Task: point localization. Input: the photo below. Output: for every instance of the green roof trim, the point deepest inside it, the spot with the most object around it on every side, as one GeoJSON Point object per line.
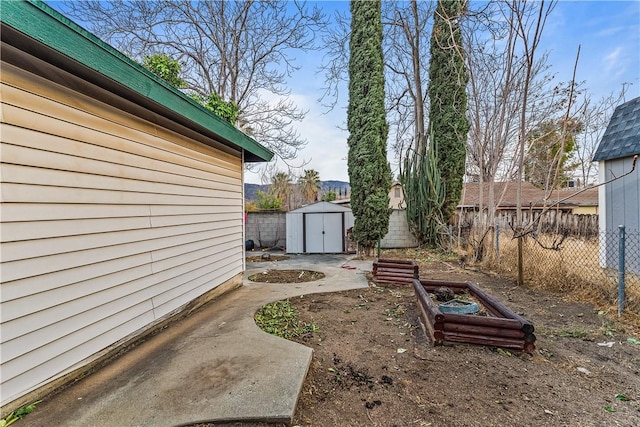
{"type": "Point", "coordinates": [42, 23]}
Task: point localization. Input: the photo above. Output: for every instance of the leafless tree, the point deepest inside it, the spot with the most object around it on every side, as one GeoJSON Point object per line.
{"type": "Point", "coordinates": [406, 53]}
{"type": "Point", "coordinates": [243, 51]}
{"type": "Point", "coordinates": [528, 22]}
{"type": "Point", "coordinates": [594, 116]}
{"type": "Point", "coordinates": [511, 91]}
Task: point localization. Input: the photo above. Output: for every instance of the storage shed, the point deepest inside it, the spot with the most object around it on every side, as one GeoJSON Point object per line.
{"type": "Point", "coordinates": [122, 201]}
{"type": "Point", "coordinates": [318, 228]}
{"type": "Point", "coordinates": [619, 199]}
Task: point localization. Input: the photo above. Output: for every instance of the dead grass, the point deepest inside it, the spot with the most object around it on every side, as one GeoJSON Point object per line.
{"type": "Point", "coordinates": [573, 271]}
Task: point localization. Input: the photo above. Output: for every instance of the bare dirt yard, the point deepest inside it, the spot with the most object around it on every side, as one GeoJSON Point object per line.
{"type": "Point", "coordinates": [373, 365]}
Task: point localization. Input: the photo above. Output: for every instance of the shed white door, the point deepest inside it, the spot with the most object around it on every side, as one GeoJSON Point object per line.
{"type": "Point", "coordinates": [323, 233]}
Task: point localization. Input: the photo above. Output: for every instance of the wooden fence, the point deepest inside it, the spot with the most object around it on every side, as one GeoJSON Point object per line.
{"type": "Point", "coordinates": [551, 222]}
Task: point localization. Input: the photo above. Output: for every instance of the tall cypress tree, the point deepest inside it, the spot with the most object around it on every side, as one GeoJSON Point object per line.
{"type": "Point", "coordinates": [448, 99]}
{"type": "Point", "coordinates": [369, 170]}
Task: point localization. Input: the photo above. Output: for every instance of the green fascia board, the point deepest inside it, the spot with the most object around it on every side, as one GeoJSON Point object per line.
{"type": "Point", "coordinates": [42, 23]}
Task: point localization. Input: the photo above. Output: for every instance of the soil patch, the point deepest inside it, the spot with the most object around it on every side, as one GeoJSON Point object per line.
{"type": "Point", "coordinates": [286, 276]}
{"type": "Point", "coordinates": [374, 366]}
{"type": "Point", "coordinates": [262, 258]}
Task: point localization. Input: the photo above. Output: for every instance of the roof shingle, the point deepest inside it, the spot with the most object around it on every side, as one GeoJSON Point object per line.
{"type": "Point", "coordinates": [622, 137]}
{"type": "Point", "coordinates": [531, 196]}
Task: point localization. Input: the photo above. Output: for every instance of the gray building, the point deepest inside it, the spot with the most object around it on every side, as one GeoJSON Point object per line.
{"type": "Point", "coordinates": [619, 199]}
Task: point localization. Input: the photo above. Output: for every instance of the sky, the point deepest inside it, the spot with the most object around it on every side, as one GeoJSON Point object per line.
{"type": "Point", "coordinates": [608, 33]}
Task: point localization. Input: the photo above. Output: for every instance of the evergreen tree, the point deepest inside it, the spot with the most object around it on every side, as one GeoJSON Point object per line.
{"type": "Point", "coordinates": [369, 171]}
{"type": "Point", "coordinates": [549, 150]}
{"type": "Point", "coordinates": [448, 99]}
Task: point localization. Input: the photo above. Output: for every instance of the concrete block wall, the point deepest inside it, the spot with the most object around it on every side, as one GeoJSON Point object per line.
{"type": "Point", "coordinates": [399, 235]}
{"type": "Point", "coordinates": [266, 229]}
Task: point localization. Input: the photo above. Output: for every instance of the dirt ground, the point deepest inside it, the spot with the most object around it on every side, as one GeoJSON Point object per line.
{"type": "Point", "coordinates": [267, 257]}
{"type": "Point", "coordinates": [374, 366]}
{"type": "Point", "coordinates": [286, 276]}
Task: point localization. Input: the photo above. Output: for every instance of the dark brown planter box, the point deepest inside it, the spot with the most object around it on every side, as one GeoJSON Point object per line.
{"type": "Point", "coordinates": [395, 271]}
{"type": "Point", "coordinates": [502, 328]}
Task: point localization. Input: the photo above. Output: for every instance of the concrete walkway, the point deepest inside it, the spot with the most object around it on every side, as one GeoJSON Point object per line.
{"type": "Point", "coordinates": [214, 365]}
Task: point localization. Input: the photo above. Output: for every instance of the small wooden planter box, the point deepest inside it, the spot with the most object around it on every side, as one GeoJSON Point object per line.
{"type": "Point", "coordinates": [395, 271]}
{"type": "Point", "coordinates": [503, 328]}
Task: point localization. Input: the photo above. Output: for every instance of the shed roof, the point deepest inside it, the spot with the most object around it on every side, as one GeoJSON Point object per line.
{"type": "Point", "coordinates": [321, 207]}
{"type": "Point", "coordinates": [622, 137]}
{"type": "Point", "coordinates": [36, 28]}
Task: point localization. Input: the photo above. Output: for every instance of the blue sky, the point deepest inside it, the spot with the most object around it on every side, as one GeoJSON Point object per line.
{"type": "Point", "coordinates": [608, 32]}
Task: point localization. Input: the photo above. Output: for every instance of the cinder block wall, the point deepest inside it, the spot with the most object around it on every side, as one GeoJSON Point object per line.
{"type": "Point", "coordinates": [399, 235]}
{"type": "Point", "coordinates": [266, 229]}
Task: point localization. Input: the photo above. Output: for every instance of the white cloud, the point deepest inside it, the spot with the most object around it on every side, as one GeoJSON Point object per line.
{"type": "Point", "coordinates": [326, 148]}
{"type": "Point", "coordinates": [614, 62]}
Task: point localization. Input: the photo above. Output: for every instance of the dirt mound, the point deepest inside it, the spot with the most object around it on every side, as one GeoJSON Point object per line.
{"type": "Point", "coordinates": [286, 276]}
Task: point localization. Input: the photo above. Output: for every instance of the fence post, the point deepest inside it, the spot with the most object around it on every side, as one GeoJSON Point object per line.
{"type": "Point", "coordinates": [621, 246]}
{"type": "Point", "coordinates": [497, 231]}
{"type": "Point", "coordinates": [451, 239]}
{"type": "Point", "coordinates": [520, 260]}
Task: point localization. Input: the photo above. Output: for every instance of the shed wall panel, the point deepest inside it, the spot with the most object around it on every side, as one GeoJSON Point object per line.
{"type": "Point", "coordinates": [109, 224]}
{"type": "Point", "coordinates": [294, 233]}
{"type": "Point", "coordinates": [302, 228]}
{"type": "Point", "coordinates": [621, 198]}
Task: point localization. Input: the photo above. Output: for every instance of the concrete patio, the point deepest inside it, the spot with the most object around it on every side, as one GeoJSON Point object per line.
{"type": "Point", "coordinates": [213, 365]}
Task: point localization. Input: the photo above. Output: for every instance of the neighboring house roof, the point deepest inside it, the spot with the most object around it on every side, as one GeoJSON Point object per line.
{"type": "Point", "coordinates": [622, 137]}
{"type": "Point", "coordinates": [531, 195]}
{"type": "Point", "coordinates": [59, 41]}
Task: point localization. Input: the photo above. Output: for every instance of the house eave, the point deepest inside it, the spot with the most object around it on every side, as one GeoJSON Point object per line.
{"type": "Point", "coordinates": [37, 29]}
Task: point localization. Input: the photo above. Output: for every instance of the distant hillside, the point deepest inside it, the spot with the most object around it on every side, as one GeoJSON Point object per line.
{"type": "Point", "coordinates": [334, 186]}
{"type": "Point", "coordinates": [251, 190]}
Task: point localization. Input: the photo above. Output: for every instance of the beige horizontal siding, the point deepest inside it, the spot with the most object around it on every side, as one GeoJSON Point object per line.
{"type": "Point", "coordinates": [52, 151]}
{"type": "Point", "coordinates": [75, 323]}
{"type": "Point", "coordinates": [64, 179]}
{"type": "Point", "coordinates": [61, 163]}
{"type": "Point", "coordinates": [90, 114]}
{"type": "Point", "coordinates": [77, 297]}
{"type": "Point", "coordinates": [29, 265]}
{"type": "Point", "coordinates": [66, 359]}
{"type": "Point", "coordinates": [28, 230]}
{"type": "Point", "coordinates": [109, 223]}
{"type": "Point", "coordinates": [46, 212]}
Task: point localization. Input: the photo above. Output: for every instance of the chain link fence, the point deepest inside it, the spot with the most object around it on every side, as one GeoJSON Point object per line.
{"type": "Point", "coordinates": [588, 267]}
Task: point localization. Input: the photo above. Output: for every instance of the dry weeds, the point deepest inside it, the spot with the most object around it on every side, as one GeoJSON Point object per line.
{"type": "Point", "coordinates": [573, 271]}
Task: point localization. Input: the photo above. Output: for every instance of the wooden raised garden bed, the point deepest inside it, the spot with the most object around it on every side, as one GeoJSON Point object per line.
{"type": "Point", "coordinates": [395, 271]}
{"type": "Point", "coordinates": [498, 327]}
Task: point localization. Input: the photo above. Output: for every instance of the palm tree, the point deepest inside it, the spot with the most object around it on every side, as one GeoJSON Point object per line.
{"type": "Point", "coordinates": [310, 185]}
{"type": "Point", "coordinates": [281, 187]}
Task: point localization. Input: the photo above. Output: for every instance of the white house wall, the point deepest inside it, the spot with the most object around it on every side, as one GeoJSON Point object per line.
{"type": "Point", "coordinates": [109, 223]}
